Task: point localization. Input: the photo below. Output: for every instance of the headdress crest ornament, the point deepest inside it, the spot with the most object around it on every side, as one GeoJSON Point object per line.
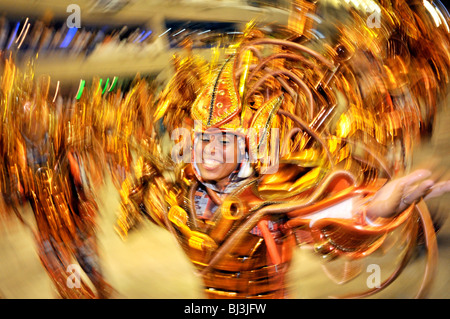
{"type": "Point", "coordinates": [219, 105]}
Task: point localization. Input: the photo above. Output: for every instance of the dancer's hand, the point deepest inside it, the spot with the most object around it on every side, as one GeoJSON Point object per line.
{"type": "Point", "coordinates": [399, 194]}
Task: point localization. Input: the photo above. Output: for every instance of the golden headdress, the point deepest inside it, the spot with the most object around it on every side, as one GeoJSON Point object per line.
{"type": "Point", "coordinates": [219, 106]}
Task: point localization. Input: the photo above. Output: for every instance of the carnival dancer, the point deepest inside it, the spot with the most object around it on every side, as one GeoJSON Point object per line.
{"type": "Point", "coordinates": [45, 161]}
{"type": "Point", "coordinates": [281, 145]}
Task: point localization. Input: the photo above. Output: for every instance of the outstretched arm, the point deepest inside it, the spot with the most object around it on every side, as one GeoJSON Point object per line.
{"type": "Point", "coordinates": [399, 194]}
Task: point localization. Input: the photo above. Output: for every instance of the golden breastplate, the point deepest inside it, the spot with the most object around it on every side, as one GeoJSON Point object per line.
{"type": "Point", "coordinates": [244, 269]}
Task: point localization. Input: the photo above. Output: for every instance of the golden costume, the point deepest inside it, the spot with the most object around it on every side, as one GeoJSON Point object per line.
{"type": "Point", "coordinates": [45, 154]}
{"type": "Point", "coordinates": [346, 115]}
{"type": "Point", "coordinates": [322, 122]}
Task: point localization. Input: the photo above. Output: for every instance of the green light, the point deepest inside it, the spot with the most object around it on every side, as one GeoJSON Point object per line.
{"type": "Point", "coordinates": [80, 89]}
{"type": "Point", "coordinates": [99, 85]}
{"type": "Point", "coordinates": [106, 85]}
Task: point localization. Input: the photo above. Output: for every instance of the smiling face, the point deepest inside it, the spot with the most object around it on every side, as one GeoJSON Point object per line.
{"type": "Point", "coordinates": [216, 156]}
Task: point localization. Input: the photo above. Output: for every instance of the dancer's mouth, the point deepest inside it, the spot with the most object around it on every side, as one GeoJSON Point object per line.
{"type": "Point", "coordinates": [211, 164]}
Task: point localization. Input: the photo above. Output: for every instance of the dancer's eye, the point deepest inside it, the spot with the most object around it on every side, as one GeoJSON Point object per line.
{"type": "Point", "coordinates": [225, 139]}
{"type": "Point", "coordinates": [205, 138]}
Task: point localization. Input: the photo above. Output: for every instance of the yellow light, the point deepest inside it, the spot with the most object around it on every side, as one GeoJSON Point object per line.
{"type": "Point", "coordinates": [343, 126]}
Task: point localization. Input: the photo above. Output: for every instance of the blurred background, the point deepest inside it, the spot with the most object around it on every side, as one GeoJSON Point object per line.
{"type": "Point", "coordinates": [118, 38]}
{"type": "Point", "coordinates": [115, 40]}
